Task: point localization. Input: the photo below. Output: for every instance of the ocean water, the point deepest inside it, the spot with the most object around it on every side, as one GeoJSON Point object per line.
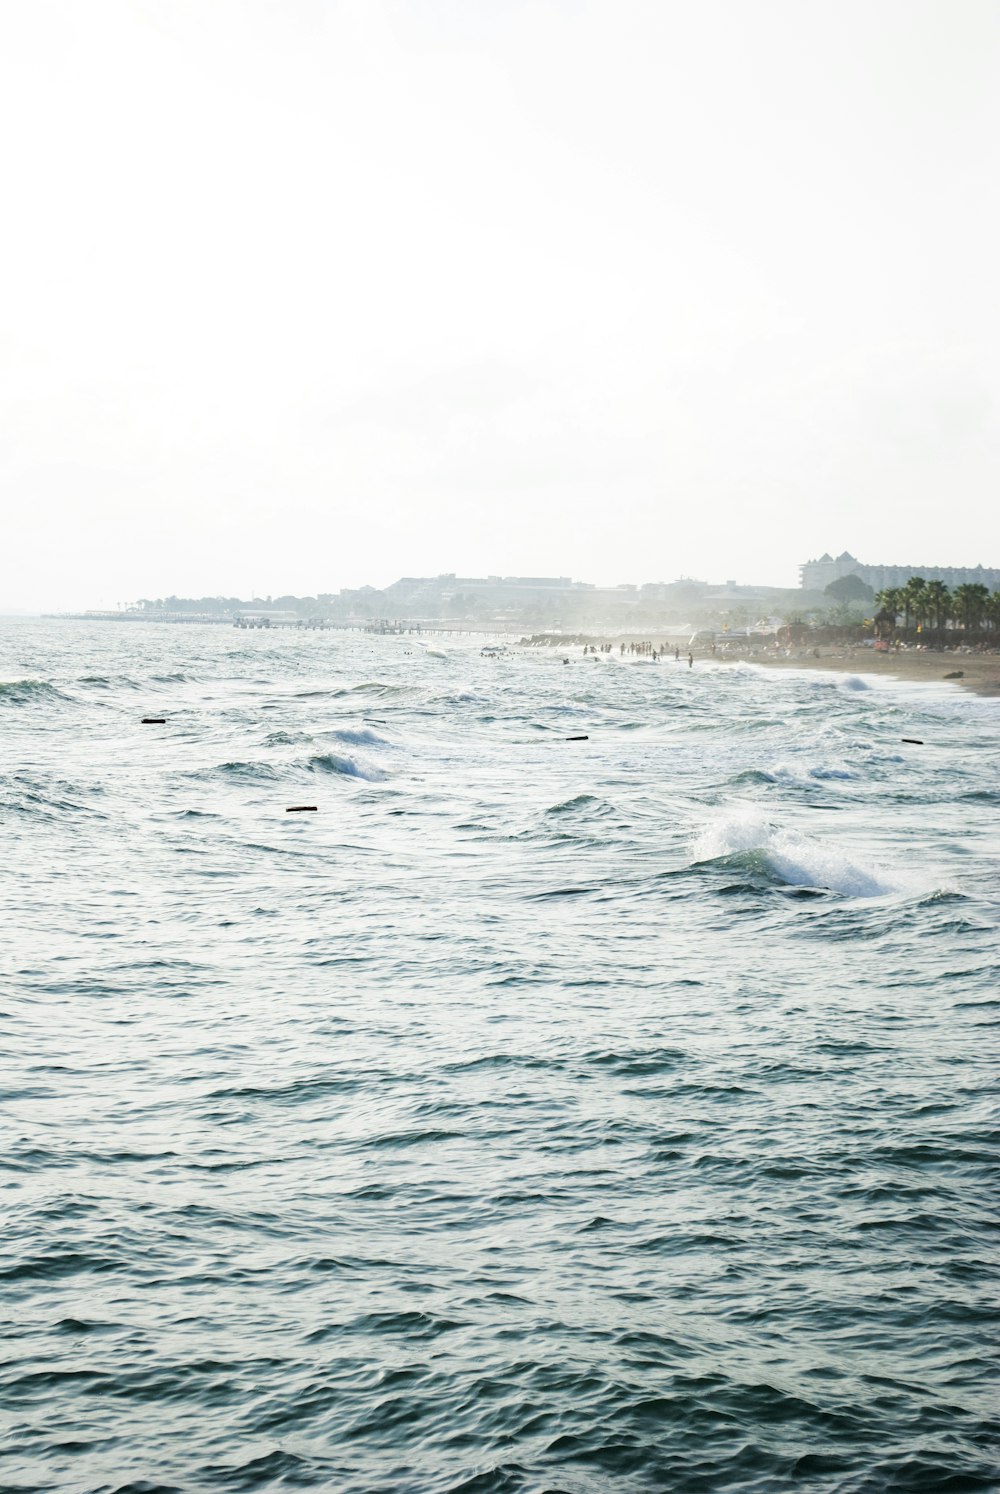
{"type": "Point", "coordinates": [536, 1115]}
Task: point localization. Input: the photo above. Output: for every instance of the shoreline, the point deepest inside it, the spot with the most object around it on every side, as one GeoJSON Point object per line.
{"type": "Point", "coordinates": [977, 673]}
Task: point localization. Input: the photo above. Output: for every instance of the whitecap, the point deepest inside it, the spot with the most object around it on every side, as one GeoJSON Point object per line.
{"type": "Point", "coordinates": [791, 857]}
{"type": "Point", "coordinates": [358, 737]}
{"type": "Point", "coordinates": [347, 767]}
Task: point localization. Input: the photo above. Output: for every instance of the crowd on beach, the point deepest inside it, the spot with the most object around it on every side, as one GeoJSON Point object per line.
{"type": "Point", "coordinates": [736, 646]}
{"type": "Point", "coordinates": [930, 660]}
{"type": "Point", "coordinates": [645, 648]}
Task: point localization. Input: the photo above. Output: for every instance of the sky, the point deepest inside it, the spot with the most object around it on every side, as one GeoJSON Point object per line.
{"type": "Point", "coordinates": [298, 295]}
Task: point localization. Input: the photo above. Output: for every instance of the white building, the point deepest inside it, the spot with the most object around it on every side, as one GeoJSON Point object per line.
{"type": "Point", "coordinates": [816, 575]}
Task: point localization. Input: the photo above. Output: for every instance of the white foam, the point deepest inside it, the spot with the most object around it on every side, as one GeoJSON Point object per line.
{"type": "Point", "coordinates": [788, 771]}
{"type": "Point", "coordinates": [793, 858]}
{"type": "Point", "coordinates": [358, 737]}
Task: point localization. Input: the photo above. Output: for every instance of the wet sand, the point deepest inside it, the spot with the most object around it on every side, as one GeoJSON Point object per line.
{"type": "Point", "coordinates": [980, 673]}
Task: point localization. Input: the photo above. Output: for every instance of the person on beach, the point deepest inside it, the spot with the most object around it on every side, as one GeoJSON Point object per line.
{"type": "Point", "coordinates": [690, 661]}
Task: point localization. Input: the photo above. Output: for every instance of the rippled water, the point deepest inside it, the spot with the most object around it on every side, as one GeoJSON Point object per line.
{"type": "Point", "coordinates": [536, 1115]}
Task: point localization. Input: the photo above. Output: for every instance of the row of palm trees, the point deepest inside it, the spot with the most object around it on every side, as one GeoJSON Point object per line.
{"type": "Point", "coordinates": [929, 604]}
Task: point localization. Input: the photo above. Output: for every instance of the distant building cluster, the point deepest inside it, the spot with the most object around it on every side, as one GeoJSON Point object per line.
{"type": "Point", "coordinates": [414, 594]}
{"type": "Point", "coordinates": [510, 591]}
{"type": "Point", "coordinates": [557, 596]}
{"type": "Point", "coordinates": [497, 601]}
{"type": "Point", "coordinates": [560, 603]}
{"type": "Point", "coordinates": [816, 575]}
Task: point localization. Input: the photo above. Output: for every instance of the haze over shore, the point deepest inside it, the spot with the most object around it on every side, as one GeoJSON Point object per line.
{"type": "Point", "coordinates": [532, 287]}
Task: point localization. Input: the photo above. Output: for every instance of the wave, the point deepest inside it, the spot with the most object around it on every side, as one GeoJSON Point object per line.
{"type": "Point", "coordinates": [286, 738]}
{"type": "Point", "coordinates": [786, 772]}
{"type": "Point", "coordinates": [585, 803]}
{"type": "Point", "coordinates": [239, 772]}
{"type": "Point", "coordinates": [358, 736]}
{"type": "Point", "coordinates": [367, 687]}
{"type": "Point", "coordinates": [264, 772]}
{"type": "Point", "coordinates": [28, 692]}
{"type": "Point", "coordinates": [346, 767]}
{"type": "Point", "coordinates": [753, 775]}
{"type": "Point", "coordinates": [30, 794]}
{"type": "Point", "coordinates": [793, 773]}
{"type": "Point", "coordinates": [745, 836]}
{"type": "Point", "coordinates": [108, 682]}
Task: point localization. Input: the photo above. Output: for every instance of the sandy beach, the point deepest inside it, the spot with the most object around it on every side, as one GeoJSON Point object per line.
{"type": "Point", "coordinates": [980, 673]}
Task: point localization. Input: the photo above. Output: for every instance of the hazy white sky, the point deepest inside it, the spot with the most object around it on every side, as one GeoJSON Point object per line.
{"type": "Point", "coordinates": [299, 294]}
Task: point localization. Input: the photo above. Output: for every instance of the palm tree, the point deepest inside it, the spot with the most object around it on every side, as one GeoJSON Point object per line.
{"type": "Point", "coordinates": [959, 598]}
{"type": "Point", "coordinates": [913, 600]}
{"type": "Point", "coordinates": [993, 610]}
{"type": "Point", "coordinates": [938, 599]}
{"type": "Point", "coordinates": [888, 605]}
{"type": "Point", "coordinates": [980, 604]}
{"type": "Point", "coordinates": [969, 603]}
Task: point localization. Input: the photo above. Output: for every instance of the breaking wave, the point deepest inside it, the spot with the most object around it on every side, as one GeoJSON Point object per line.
{"type": "Point", "coordinates": [361, 736]}
{"type": "Point", "coordinates": [265, 772]}
{"type": "Point", "coordinates": [344, 767]}
{"type": "Point", "coordinates": [791, 857]}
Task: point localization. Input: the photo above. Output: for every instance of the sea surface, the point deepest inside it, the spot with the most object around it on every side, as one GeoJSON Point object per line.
{"type": "Point", "coordinates": [537, 1115]}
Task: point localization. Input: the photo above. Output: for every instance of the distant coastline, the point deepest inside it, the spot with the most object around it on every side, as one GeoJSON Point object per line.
{"type": "Point", "coordinates": [973, 670]}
